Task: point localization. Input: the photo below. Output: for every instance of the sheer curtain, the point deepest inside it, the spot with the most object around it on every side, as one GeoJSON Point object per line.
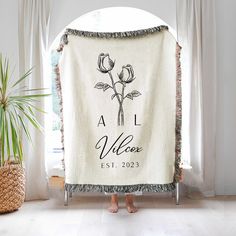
{"type": "Point", "coordinates": [196, 34]}
{"type": "Point", "coordinates": [33, 36]}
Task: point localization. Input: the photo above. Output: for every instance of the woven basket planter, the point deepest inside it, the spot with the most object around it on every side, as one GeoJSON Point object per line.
{"type": "Point", "coordinates": [12, 187]}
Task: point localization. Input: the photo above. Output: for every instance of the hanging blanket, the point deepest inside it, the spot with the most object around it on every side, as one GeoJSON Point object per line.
{"type": "Point", "coordinates": [121, 110]}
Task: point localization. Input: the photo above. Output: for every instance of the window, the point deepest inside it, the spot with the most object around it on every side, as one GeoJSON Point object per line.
{"type": "Point", "coordinates": [98, 20]}
{"type": "Point", "coordinates": [56, 121]}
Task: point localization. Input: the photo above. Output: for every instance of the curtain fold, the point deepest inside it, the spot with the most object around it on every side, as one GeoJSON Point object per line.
{"type": "Point", "coordinates": [33, 37]}
{"type": "Point", "coordinates": [196, 34]}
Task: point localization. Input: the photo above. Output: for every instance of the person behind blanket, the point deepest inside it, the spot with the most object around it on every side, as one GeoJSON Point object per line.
{"type": "Point", "coordinates": [129, 200]}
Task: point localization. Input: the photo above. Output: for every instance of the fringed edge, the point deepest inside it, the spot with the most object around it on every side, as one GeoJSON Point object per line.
{"type": "Point", "coordinates": [120, 188]}
{"type": "Point", "coordinates": [107, 35]}
{"type": "Point", "coordinates": [59, 92]}
{"type": "Point", "coordinates": [178, 125]}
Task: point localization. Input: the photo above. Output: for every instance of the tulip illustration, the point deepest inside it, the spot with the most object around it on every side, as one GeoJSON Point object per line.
{"type": "Point", "coordinates": [105, 64]}
{"type": "Point", "coordinates": [126, 76]}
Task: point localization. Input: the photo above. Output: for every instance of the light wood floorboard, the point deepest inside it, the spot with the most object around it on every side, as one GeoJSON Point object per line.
{"type": "Point", "coordinates": [88, 215]}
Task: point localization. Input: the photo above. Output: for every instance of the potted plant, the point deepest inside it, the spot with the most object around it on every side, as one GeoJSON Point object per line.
{"type": "Point", "coordinates": [17, 109]}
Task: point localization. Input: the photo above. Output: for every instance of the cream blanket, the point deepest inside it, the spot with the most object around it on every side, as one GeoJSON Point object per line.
{"type": "Point", "coordinates": [121, 110]}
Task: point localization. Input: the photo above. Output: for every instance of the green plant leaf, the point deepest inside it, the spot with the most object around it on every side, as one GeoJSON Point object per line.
{"type": "Point", "coordinates": [7, 136]}
{"type": "Point", "coordinates": [23, 77]}
{"type": "Point", "coordinates": [13, 137]}
{"type": "Point", "coordinates": [25, 128]}
{"type": "Point", "coordinates": [16, 111]}
{"type": "Point", "coordinates": [29, 104]}
{"type": "Point", "coordinates": [4, 74]}
{"type": "Point", "coordinates": [31, 118]}
{"type": "Point", "coordinates": [32, 96]}
{"type": "Point", "coordinates": [3, 140]}
{"type": "Point", "coordinates": [1, 117]}
{"type": "Point", "coordinates": [35, 89]}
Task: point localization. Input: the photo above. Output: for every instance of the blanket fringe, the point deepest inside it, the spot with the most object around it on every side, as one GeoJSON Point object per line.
{"type": "Point", "coordinates": [59, 92]}
{"type": "Point", "coordinates": [107, 35]}
{"type": "Point", "coordinates": [120, 188]}
{"type": "Point", "coordinates": [178, 125]}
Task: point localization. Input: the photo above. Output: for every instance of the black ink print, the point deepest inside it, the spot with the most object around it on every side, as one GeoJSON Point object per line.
{"type": "Point", "coordinates": [126, 76]}
{"type": "Point", "coordinates": [119, 146]}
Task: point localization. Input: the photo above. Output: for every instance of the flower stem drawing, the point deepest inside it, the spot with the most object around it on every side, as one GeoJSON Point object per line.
{"type": "Point", "coordinates": [125, 77]}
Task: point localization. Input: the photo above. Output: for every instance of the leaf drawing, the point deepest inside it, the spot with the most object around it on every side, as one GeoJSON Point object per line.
{"type": "Point", "coordinates": [99, 85]}
{"type": "Point", "coordinates": [130, 96]}
{"type": "Point", "coordinates": [125, 77]}
{"type": "Point", "coordinates": [113, 95]}
{"type": "Point", "coordinates": [135, 93]}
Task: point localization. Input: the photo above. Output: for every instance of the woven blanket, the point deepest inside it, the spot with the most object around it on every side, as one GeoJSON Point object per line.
{"type": "Point", "coordinates": [121, 110]}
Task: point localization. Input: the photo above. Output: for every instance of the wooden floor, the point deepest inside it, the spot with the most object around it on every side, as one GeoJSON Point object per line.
{"type": "Point", "coordinates": [87, 215]}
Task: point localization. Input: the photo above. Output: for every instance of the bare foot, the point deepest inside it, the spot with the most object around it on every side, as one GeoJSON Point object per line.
{"type": "Point", "coordinates": [130, 204]}
{"type": "Point", "coordinates": [114, 204]}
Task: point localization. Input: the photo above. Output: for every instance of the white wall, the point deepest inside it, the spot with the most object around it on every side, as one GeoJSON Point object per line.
{"type": "Point", "coordinates": [226, 75]}
{"type": "Point", "coordinates": [64, 11]}
{"type": "Point", "coordinates": [9, 32]}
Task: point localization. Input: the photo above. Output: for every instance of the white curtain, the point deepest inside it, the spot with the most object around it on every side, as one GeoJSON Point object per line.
{"type": "Point", "coordinates": [196, 34]}
{"type": "Point", "coordinates": [33, 37]}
